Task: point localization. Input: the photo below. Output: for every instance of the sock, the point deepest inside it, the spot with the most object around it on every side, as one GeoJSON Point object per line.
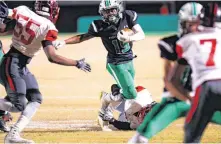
{"type": "Point", "coordinates": [26, 115]}
{"type": "Point", "coordinates": [21, 123]}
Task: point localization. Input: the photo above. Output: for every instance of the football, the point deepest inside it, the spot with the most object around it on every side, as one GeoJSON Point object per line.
{"type": "Point", "coordinates": [128, 31]}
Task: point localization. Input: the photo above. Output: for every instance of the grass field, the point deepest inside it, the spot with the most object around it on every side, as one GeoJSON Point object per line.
{"type": "Point", "coordinates": [71, 97]}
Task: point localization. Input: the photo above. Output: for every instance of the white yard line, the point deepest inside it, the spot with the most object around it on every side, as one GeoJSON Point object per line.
{"type": "Point", "coordinates": [70, 97]}
{"type": "Point", "coordinates": [67, 109]}
{"type": "Point", "coordinates": [82, 125]}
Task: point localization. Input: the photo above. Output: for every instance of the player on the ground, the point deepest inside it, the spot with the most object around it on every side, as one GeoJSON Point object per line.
{"type": "Point", "coordinates": [119, 46]}
{"type": "Point", "coordinates": [173, 105]}
{"type": "Point", "coordinates": [33, 31]}
{"type": "Point", "coordinates": [201, 50]}
{"type": "Point", "coordinates": [123, 107]}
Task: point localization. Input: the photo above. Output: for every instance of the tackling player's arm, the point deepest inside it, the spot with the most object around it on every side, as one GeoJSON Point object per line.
{"type": "Point", "coordinates": [55, 58]}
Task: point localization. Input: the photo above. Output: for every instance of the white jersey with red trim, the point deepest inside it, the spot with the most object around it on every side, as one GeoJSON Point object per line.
{"type": "Point", "coordinates": [30, 30]}
{"type": "Point", "coordinates": [202, 50]}
{"type": "Point", "coordinates": [129, 107]}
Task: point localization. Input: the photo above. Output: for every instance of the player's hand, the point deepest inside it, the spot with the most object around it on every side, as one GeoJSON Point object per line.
{"type": "Point", "coordinates": [82, 65]}
{"type": "Point", "coordinates": [123, 36]}
{"type": "Point", "coordinates": [58, 44]}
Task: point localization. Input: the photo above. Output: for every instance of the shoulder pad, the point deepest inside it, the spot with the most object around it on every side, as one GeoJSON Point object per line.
{"type": "Point", "coordinates": [98, 25]}
{"type": "Point", "coordinates": [170, 39]}
{"type": "Point", "coordinates": [131, 14]}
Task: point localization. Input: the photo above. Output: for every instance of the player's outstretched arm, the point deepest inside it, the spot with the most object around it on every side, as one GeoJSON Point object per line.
{"type": "Point", "coordinates": [54, 58]}
{"type": "Point", "coordinates": [72, 40]}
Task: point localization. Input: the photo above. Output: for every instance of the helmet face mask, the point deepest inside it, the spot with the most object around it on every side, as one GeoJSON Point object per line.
{"type": "Point", "coordinates": [48, 9]}
{"type": "Point", "coordinates": [111, 15]}
{"type": "Point", "coordinates": [111, 10]}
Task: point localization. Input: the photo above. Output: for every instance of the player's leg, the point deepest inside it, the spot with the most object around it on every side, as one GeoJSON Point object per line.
{"type": "Point", "coordinates": [34, 98]}
{"type": "Point", "coordinates": [109, 101]}
{"type": "Point", "coordinates": [16, 95]}
{"type": "Point", "coordinates": [124, 77]}
{"type": "Point", "coordinates": [200, 114]}
{"type": "Point", "coordinates": [216, 118]}
{"type": "Point", "coordinates": [4, 116]}
{"type": "Point", "coordinates": [162, 115]}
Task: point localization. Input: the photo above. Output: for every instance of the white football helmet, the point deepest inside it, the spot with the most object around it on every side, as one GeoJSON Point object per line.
{"type": "Point", "coordinates": [111, 10]}
{"type": "Point", "coordinates": [189, 13]}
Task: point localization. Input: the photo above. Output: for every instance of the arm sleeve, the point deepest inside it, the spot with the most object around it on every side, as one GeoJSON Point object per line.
{"type": "Point", "coordinates": [51, 35]}
{"type": "Point", "coordinates": [121, 125]}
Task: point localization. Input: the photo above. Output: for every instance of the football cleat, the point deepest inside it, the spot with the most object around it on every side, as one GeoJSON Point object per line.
{"type": "Point", "coordinates": [3, 119]}
{"type": "Point", "coordinates": [14, 137]}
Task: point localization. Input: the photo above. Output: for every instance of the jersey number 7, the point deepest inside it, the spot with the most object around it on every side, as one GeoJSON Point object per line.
{"type": "Point", "coordinates": [210, 61]}
{"type": "Point", "coordinates": [30, 34]}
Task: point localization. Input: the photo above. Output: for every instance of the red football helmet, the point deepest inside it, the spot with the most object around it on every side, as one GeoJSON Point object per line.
{"type": "Point", "coordinates": [47, 8]}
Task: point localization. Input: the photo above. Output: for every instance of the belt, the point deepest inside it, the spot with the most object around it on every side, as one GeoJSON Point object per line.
{"type": "Point", "coordinates": [17, 54]}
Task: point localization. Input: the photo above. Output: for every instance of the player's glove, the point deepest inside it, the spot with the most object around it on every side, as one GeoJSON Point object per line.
{"type": "Point", "coordinates": [82, 65]}
{"type": "Point", "coordinates": [3, 9]}
{"type": "Point", "coordinates": [123, 36]}
{"type": "Point", "coordinates": [58, 44]}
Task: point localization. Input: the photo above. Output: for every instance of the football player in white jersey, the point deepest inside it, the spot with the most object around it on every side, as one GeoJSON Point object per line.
{"type": "Point", "coordinates": [132, 112]}
{"type": "Point", "coordinates": [33, 30]}
{"type": "Point", "coordinates": [201, 50]}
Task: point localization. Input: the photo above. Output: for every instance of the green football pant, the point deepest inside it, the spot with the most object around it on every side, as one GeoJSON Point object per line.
{"type": "Point", "coordinates": [124, 76]}
{"type": "Point", "coordinates": [164, 114]}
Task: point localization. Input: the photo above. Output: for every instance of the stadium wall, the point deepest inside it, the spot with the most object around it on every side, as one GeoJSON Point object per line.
{"type": "Point", "coordinates": [151, 23]}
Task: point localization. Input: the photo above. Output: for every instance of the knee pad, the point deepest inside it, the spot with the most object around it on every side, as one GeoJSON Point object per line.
{"type": "Point", "coordinates": [34, 95]}
{"type": "Point", "coordinates": [20, 103]}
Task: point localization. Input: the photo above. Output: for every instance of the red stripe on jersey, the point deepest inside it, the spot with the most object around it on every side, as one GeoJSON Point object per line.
{"type": "Point", "coordinates": [139, 88]}
{"type": "Point", "coordinates": [14, 13]}
{"type": "Point", "coordinates": [215, 9]}
{"type": "Point", "coordinates": [10, 81]}
{"type": "Point", "coordinates": [179, 51]}
{"type": "Point", "coordinates": [194, 105]}
{"type": "Point", "coordinates": [51, 35]}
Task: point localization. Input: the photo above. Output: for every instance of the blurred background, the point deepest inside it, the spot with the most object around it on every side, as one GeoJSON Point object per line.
{"type": "Point", "coordinates": [154, 16]}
